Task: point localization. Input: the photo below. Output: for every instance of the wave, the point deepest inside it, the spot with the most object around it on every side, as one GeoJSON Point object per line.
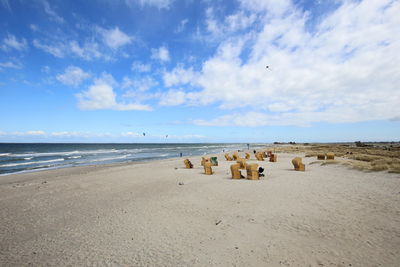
{"type": "Point", "coordinates": [69, 153]}
{"type": "Point", "coordinates": [30, 163]}
{"type": "Point", "coordinates": [102, 159]}
{"type": "Point", "coordinates": [4, 154]}
{"type": "Point", "coordinates": [74, 157]}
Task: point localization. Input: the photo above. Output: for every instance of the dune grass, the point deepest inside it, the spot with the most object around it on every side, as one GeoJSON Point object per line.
{"type": "Point", "coordinates": [382, 157]}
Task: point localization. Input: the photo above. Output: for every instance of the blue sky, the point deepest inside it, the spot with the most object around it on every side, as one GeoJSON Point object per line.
{"type": "Point", "coordinates": [109, 71]}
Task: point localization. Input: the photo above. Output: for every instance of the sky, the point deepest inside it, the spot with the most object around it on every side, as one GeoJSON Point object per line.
{"type": "Point", "coordinates": [199, 70]}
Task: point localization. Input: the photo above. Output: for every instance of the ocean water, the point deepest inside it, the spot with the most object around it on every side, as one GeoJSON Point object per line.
{"type": "Point", "coordinates": [19, 157]}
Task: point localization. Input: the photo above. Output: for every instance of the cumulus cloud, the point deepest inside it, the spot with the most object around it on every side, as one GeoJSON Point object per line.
{"type": "Point", "coordinates": [161, 54]}
{"type": "Point", "coordinates": [346, 70]}
{"type": "Point", "coordinates": [73, 76]}
{"type": "Point", "coordinates": [11, 42]}
{"type": "Point", "coordinates": [115, 38]}
{"type": "Point", "coordinates": [179, 75]}
{"type": "Point", "coordinates": [101, 95]}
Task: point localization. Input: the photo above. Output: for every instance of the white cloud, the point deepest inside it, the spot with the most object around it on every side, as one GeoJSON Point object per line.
{"type": "Point", "coordinates": [140, 67]}
{"type": "Point", "coordinates": [73, 76]}
{"type": "Point", "coordinates": [67, 134]}
{"type": "Point", "coordinates": [114, 38]}
{"type": "Point", "coordinates": [101, 95]}
{"type": "Point", "coordinates": [173, 98]}
{"type": "Point", "coordinates": [52, 14]}
{"type": "Point", "coordinates": [35, 133]}
{"type": "Point", "coordinates": [11, 42]}
{"type": "Point", "coordinates": [140, 84]}
{"type": "Point", "coordinates": [57, 50]}
{"type": "Point", "coordinates": [152, 3]}
{"type": "Point", "coordinates": [161, 54]}
{"type": "Point", "coordinates": [178, 76]}
{"type": "Point", "coordinates": [131, 134]}
{"type": "Point", "coordinates": [181, 26]}
{"type": "Point", "coordinates": [33, 27]}
{"type": "Point", "coordinates": [10, 65]}
{"type": "Point", "coordinates": [88, 51]}
{"type": "Point", "coordinates": [346, 71]}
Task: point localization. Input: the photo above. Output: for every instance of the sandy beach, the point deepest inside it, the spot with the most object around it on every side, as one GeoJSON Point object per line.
{"type": "Point", "coordinates": [161, 214]}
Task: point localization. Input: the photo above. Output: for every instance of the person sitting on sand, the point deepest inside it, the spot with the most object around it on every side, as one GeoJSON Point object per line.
{"type": "Point", "coordinates": [260, 172]}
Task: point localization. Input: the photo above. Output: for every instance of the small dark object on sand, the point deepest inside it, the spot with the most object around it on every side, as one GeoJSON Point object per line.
{"type": "Point", "coordinates": [180, 183]}
{"type": "Point", "coordinates": [218, 222]}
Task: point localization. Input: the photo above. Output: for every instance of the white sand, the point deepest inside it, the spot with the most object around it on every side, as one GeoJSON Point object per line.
{"type": "Point", "coordinates": [139, 215]}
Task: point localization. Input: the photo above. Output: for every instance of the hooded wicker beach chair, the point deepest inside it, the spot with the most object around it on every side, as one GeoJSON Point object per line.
{"type": "Point", "coordinates": [247, 156]}
{"type": "Point", "coordinates": [330, 155]}
{"type": "Point", "coordinates": [298, 165]}
{"type": "Point", "coordinates": [188, 164]}
{"type": "Point", "coordinates": [235, 155]}
{"type": "Point", "coordinates": [252, 171]}
{"type": "Point", "coordinates": [321, 156]}
{"type": "Point", "coordinates": [259, 156]}
{"type": "Point", "coordinates": [203, 160]}
{"type": "Point", "coordinates": [207, 168]}
{"type": "Point", "coordinates": [235, 171]}
{"type": "Point", "coordinates": [228, 157]}
{"type": "Point", "coordinates": [273, 158]}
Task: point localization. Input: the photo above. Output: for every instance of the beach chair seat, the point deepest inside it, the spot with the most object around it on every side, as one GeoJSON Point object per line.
{"type": "Point", "coordinates": [269, 153]}
{"type": "Point", "coordinates": [214, 161]}
{"type": "Point", "coordinates": [330, 155]}
{"type": "Point", "coordinates": [252, 171]}
{"type": "Point", "coordinates": [188, 164]}
{"type": "Point", "coordinates": [298, 165]}
{"type": "Point", "coordinates": [207, 168]}
{"type": "Point", "coordinates": [236, 174]}
{"type": "Point", "coordinates": [321, 156]}
{"type": "Point", "coordinates": [273, 158]}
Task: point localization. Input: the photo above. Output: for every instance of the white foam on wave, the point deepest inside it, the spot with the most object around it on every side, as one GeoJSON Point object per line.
{"type": "Point", "coordinates": [64, 153]}
{"type": "Point", "coordinates": [30, 163]}
{"type": "Point", "coordinates": [104, 159]}
{"type": "Point", "coordinates": [28, 158]}
{"type": "Point", "coordinates": [4, 154]}
{"type": "Point", "coordinates": [74, 157]}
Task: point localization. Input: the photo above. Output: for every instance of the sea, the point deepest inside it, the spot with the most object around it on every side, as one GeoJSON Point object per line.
{"type": "Point", "coordinates": [28, 157]}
